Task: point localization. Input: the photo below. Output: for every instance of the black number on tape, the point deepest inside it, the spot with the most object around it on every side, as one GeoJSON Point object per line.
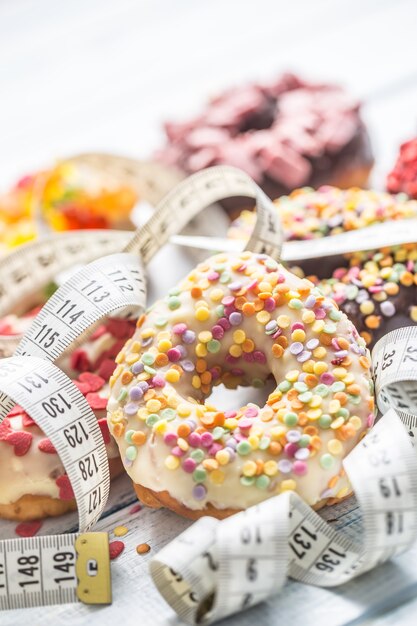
{"type": "Point", "coordinates": [389, 487]}
{"type": "Point", "coordinates": [388, 359]}
{"type": "Point", "coordinates": [67, 310]}
{"type": "Point", "coordinates": [30, 567]}
{"type": "Point", "coordinates": [410, 351]}
{"type": "Point", "coordinates": [56, 405]}
{"type": "Point", "coordinates": [64, 563]}
{"type": "Point", "coordinates": [32, 381]}
{"type": "Point", "coordinates": [94, 499]}
{"type": "Point", "coordinates": [76, 434]}
{"type": "Point", "coordinates": [88, 466]}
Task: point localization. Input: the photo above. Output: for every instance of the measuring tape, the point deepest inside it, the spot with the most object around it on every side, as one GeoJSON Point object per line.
{"type": "Point", "coordinates": [113, 284]}
{"type": "Point", "coordinates": [216, 568]}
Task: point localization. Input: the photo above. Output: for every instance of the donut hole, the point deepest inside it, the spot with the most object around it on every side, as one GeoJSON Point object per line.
{"type": "Point", "coordinates": [232, 399]}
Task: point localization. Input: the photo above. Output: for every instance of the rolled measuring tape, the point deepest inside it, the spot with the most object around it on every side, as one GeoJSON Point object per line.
{"type": "Point", "coordinates": [114, 284]}
{"type": "Point", "coordinates": [216, 568]}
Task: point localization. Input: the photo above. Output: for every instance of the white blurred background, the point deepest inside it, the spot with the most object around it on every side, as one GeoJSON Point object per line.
{"type": "Point", "coordinates": [104, 74]}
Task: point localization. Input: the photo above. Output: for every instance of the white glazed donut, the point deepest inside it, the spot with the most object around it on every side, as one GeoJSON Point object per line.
{"type": "Point", "coordinates": [237, 320]}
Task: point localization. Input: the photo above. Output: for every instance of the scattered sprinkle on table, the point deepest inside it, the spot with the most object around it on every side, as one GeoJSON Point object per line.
{"type": "Point", "coordinates": [143, 548]}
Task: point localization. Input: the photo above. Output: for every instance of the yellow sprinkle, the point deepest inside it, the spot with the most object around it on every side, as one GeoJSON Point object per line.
{"type": "Point", "coordinates": [308, 366]}
{"type": "Point", "coordinates": [132, 358]}
{"type": "Point", "coordinates": [136, 346]}
{"type": "Point", "coordinates": [231, 423]}
{"type": "Point", "coordinates": [318, 326]}
{"type": "Point", "coordinates": [356, 422]}
{"type": "Point", "coordinates": [320, 352]}
{"type": "Point", "coordinates": [339, 372]}
{"type": "Point", "coordinates": [263, 317]}
{"type": "Point", "coordinates": [216, 295]}
{"type": "Point", "coordinates": [183, 410]}
{"type": "Point", "coordinates": [201, 350]}
{"type": "Point", "coordinates": [172, 401]}
{"type": "Point", "coordinates": [349, 379]}
{"type": "Point", "coordinates": [147, 332]}
{"type": "Point", "coordinates": [316, 401]}
{"type": "Point", "coordinates": [172, 376]}
{"type": "Point", "coordinates": [334, 446]}
{"type": "Point", "coordinates": [182, 444]}
{"type": "Point", "coordinates": [292, 376]}
{"type": "Point", "coordinates": [120, 531]}
{"type": "Point", "coordinates": [288, 485]}
{"type": "Point", "coordinates": [249, 468]}
{"type": "Point", "coordinates": [270, 468]}
{"type": "Point", "coordinates": [320, 367]}
{"type": "Point", "coordinates": [196, 382]}
{"type": "Point", "coordinates": [217, 476]}
{"type": "Point", "coordinates": [222, 457]}
{"type": "Point", "coordinates": [298, 335]}
{"type": "Point", "coordinates": [160, 427]}
{"type": "Point", "coordinates": [164, 345]}
{"type": "Point", "coordinates": [239, 336]}
{"type": "Point", "coordinates": [337, 422]}
{"type": "Point", "coordinates": [153, 406]}
{"type": "Point", "coordinates": [367, 307]}
{"type": "Point", "coordinates": [205, 336]}
{"type": "Point", "coordinates": [254, 441]}
{"type": "Point", "coordinates": [235, 350]}
{"type": "Point", "coordinates": [277, 432]}
{"type": "Point", "coordinates": [314, 414]}
{"type": "Point", "coordinates": [202, 314]}
{"type": "Point", "coordinates": [142, 414]}
{"type": "Point", "coordinates": [343, 492]}
{"type": "Point", "coordinates": [248, 345]}
{"type": "Point", "coordinates": [334, 406]}
{"type": "Point", "coordinates": [172, 462]}
{"type": "Point", "coordinates": [283, 321]}
{"type": "Point", "coordinates": [120, 357]}
{"type": "Point", "coordinates": [308, 317]}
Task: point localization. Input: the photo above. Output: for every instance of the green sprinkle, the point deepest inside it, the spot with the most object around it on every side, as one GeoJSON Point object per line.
{"type": "Point", "coordinates": [174, 291]}
{"type": "Point", "coordinates": [329, 328]}
{"type": "Point", "coordinates": [150, 370]}
{"type": "Point", "coordinates": [218, 432]}
{"type": "Point", "coordinates": [295, 303]}
{"type": "Point", "coordinates": [301, 387]}
{"type": "Point", "coordinates": [271, 264]}
{"type": "Point", "coordinates": [338, 386]}
{"type": "Point", "coordinates": [213, 346]}
{"type": "Point", "coordinates": [262, 482]}
{"type": "Point", "coordinates": [131, 453]}
{"type": "Point", "coordinates": [264, 443]}
{"type": "Point", "coordinates": [161, 322]}
{"type": "Point", "coordinates": [305, 397]}
{"type": "Point", "coordinates": [225, 278]}
{"type": "Point", "coordinates": [304, 441]}
{"type": "Point", "coordinates": [243, 448]}
{"type": "Point", "coordinates": [152, 419]}
{"type": "Point", "coordinates": [258, 383]}
{"type": "Point", "coordinates": [199, 475]}
{"type": "Point", "coordinates": [128, 435]}
{"type": "Point", "coordinates": [322, 390]}
{"type": "Point", "coordinates": [174, 303]}
{"type": "Point", "coordinates": [247, 481]}
{"type": "Point", "coordinates": [168, 414]}
{"type": "Point", "coordinates": [355, 399]}
{"type": "Point", "coordinates": [284, 386]}
{"type": "Point", "coordinates": [325, 421]}
{"type": "Point", "coordinates": [198, 455]}
{"type": "Point", "coordinates": [148, 358]}
{"type": "Point", "coordinates": [335, 315]}
{"type": "Point", "coordinates": [122, 395]}
{"type": "Point", "coordinates": [219, 310]}
{"type": "Point", "coordinates": [290, 419]}
{"type": "Point", "coordinates": [326, 461]}
{"type": "Point", "coordinates": [345, 413]}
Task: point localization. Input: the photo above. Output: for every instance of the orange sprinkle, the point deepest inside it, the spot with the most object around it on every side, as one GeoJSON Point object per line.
{"type": "Point", "coordinates": [127, 377]}
{"type": "Point", "coordinates": [140, 321]}
{"type": "Point", "coordinates": [333, 482]}
{"type": "Point", "coordinates": [275, 448]}
{"type": "Point", "coordinates": [248, 309]}
{"type": "Point", "coordinates": [143, 548]}
{"type": "Point", "coordinates": [259, 467]}
{"type": "Point", "coordinates": [161, 359]}
{"type": "Point", "coordinates": [282, 341]}
{"type": "Point", "coordinates": [208, 420]}
{"type": "Point", "coordinates": [341, 396]}
{"type": "Point", "coordinates": [200, 366]}
{"type": "Point", "coordinates": [311, 380]}
{"type": "Point", "coordinates": [373, 321]}
{"type": "Point", "coordinates": [364, 361]}
{"type": "Point", "coordinates": [219, 419]}
{"type": "Point", "coordinates": [353, 390]}
{"type": "Point", "coordinates": [118, 429]}
{"type": "Point", "coordinates": [206, 378]}
{"type": "Point", "coordinates": [138, 438]}
{"type": "Point", "coordinates": [315, 442]}
{"type": "Point", "coordinates": [311, 430]}
{"type": "Point", "coordinates": [277, 350]}
{"type": "Point", "coordinates": [196, 292]}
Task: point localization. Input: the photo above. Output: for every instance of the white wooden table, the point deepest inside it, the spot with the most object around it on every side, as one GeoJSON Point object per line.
{"type": "Point", "coordinates": [103, 74]}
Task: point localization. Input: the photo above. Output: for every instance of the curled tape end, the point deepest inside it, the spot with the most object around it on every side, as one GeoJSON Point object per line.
{"type": "Point", "coordinates": [93, 568]}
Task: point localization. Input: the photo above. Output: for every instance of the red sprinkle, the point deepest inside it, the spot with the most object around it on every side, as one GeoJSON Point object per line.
{"type": "Point", "coordinates": [107, 368]}
{"type": "Point", "coordinates": [99, 332]}
{"type": "Point", "coordinates": [27, 420]}
{"type": "Point", "coordinates": [16, 410]}
{"type": "Point", "coordinates": [28, 529]}
{"type": "Point", "coordinates": [135, 509]}
{"type": "Point", "coordinates": [5, 429]}
{"type": "Point", "coordinates": [65, 488]}
{"type": "Point", "coordinates": [116, 548]}
{"type": "Point", "coordinates": [83, 387]}
{"type": "Point", "coordinates": [79, 361]}
{"type": "Point", "coordinates": [119, 328]}
{"type": "Point", "coordinates": [93, 381]}
{"type": "Point", "coordinates": [96, 402]}
{"type": "Point", "coordinates": [21, 441]}
{"type": "Point", "coordinates": [104, 430]}
{"type": "Point", "coordinates": [46, 445]}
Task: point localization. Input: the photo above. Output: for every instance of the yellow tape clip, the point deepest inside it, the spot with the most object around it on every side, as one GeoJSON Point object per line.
{"type": "Point", "coordinates": [93, 568]}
